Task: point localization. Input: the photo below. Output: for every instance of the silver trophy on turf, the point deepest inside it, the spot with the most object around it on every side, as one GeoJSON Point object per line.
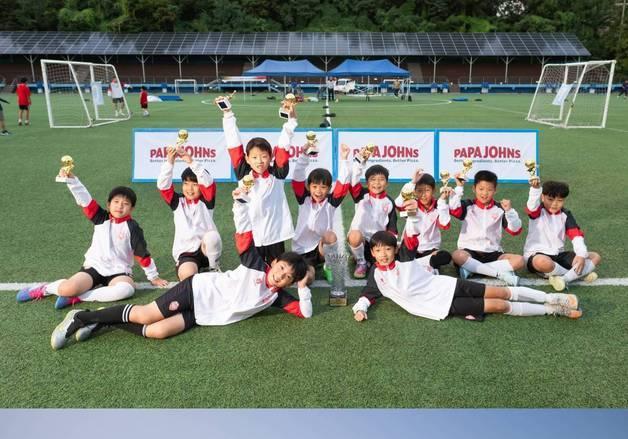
{"type": "Point", "coordinates": [338, 291]}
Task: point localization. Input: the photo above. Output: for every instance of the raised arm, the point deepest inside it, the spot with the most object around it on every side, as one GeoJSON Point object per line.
{"type": "Point", "coordinates": [234, 144]}
{"type": "Point", "coordinates": [164, 180]}
{"type": "Point", "coordinates": [281, 155]}
{"type": "Point", "coordinates": [206, 183]}
{"type": "Point", "coordinates": [444, 217]}
{"type": "Point", "coordinates": [511, 221]}
{"type": "Point", "coordinates": [343, 183]}
{"type": "Point", "coordinates": [533, 205]}
{"type": "Point", "coordinates": [92, 210]}
{"type": "Point", "coordinates": [299, 178]}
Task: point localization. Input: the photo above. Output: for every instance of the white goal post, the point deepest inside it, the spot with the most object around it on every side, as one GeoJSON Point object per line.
{"type": "Point", "coordinates": [573, 95]}
{"type": "Point", "coordinates": [83, 94]}
{"type": "Point", "coordinates": [185, 85]}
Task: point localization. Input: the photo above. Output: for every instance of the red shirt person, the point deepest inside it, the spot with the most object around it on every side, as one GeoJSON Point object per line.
{"type": "Point", "coordinates": [23, 101]}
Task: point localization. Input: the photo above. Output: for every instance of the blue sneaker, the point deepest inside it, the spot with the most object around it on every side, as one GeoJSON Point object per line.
{"type": "Point", "coordinates": [464, 273]}
{"type": "Point", "coordinates": [28, 294]}
{"type": "Point", "coordinates": [62, 302]}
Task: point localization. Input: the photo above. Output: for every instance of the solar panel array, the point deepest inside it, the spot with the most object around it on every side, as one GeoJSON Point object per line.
{"type": "Point", "coordinates": [293, 44]}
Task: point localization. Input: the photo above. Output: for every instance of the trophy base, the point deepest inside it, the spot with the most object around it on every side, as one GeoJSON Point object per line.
{"type": "Point", "coordinates": [337, 298]}
{"type": "Point", "coordinates": [60, 179]}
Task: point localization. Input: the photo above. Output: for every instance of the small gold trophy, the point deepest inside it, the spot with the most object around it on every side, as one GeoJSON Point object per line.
{"type": "Point", "coordinates": [531, 167]}
{"type": "Point", "coordinates": [288, 102]}
{"type": "Point", "coordinates": [365, 153]}
{"type": "Point", "coordinates": [444, 178]}
{"type": "Point", "coordinates": [246, 184]}
{"type": "Point", "coordinates": [467, 164]}
{"type": "Point", "coordinates": [407, 193]}
{"type": "Point", "coordinates": [311, 146]}
{"type": "Point", "coordinates": [67, 166]}
{"type": "Point", "coordinates": [181, 139]}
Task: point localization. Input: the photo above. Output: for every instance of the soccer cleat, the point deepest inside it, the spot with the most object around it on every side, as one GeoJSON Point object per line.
{"type": "Point", "coordinates": [329, 276]}
{"type": "Point", "coordinates": [4, 133]}
{"type": "Point", "coordinates": [60, 335]}
{"type": "Point", "coordinates": [85, 332]}
{"type": "Point", "coordinates": [360, 270]}
{"type": "Point", "coordinates": [464, 273]}
{"type": "Point", "coordinates": [557, 282]}
{"type": "Point", "coordinates": [569, 300]}
{"type": "Point", "coordinates": [591, 277]}
{"type": "Point", "coordinates": [62, 302]}
{"type": "Point", "coordinates": [563, 310]}
{"type": "Point", "coordinates": [19, 123]}
{"type": "Point", "coordinates": [509, 277]}
{"type": "Point", "coordinates": [28, 294]}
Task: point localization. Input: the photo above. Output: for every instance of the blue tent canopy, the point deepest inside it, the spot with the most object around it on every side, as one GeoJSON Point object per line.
{"type": "Point", "coordinates": [285, 68]}
{"type": "Point", "coordinates": [381, 67]}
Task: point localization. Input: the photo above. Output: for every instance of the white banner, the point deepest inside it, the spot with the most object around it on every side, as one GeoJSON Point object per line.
{"type": "Point", "coordinates": [209, 148]}
{"type": "Point", "coordinates": [503, 152]}
{"type": "Point", "coordinates": [399, 151]}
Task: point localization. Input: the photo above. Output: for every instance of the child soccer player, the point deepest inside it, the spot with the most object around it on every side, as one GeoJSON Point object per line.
{"type": "Point", "coordinates": [117, 97]}
{"type": "Point", "coordinates": [374, 211]}
{"type": "Point", "coordinates": [314, 237]}
{"type": "Point", "coordinates": [197, 243]}
{"type": "Point", "coordinates": [544, 248]}
{"type": "Point", "coordinates": [407, 283]}
{"type": "Point", "coordinates": [270, 214]}
{"type": "Point", "coordinates": [117, 239]}
{"type": "Point", "coordinates": [431, 217]}
{"type": "Point", "coordinates": [144, 101]}
{"type": "Point", "coordinates": [24, 102]}
{"type": "Point", "coordinates": [207, 299]}
{"type": "Point", "coordinates": [479, 249]}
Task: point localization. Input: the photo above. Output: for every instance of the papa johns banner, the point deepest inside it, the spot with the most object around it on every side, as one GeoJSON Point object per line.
{"type": "Point", "coordinates": [400, 151]}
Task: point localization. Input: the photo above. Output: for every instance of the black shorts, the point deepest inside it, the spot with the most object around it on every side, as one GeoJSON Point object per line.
{"type": "Point", "coordinates": [425, 253]}
{"type": "Point", "coordinates": [99, 279]}
{"type": "Point", "coordinates": [179, 299]}
{"type": "Point", "coordinates": [367, 252]}
{"type": "Point", "coordinates": [196, 257]}
{"type": "Point", "coordinates": [24, 107]}
{"type": "Point", "coordinates": [484, 257]}
{"type": "Point", "coordinates": [117, 100]}
{"type": "Point", "coordinates": [314, 257]}
{"type": "Point", "coordinates": [564, 259]}
{"type": "Point", "coordinates": [468, 299]}
{"type": "Point", "coordinates": [271, 252]}
{"type": "Point", "coordinates": [144, 106]}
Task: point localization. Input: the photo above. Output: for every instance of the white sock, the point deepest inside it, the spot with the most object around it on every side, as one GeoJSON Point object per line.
{"type": "Point", "coordinates": [53, 288]}
{"type": "Point", "coordinates": [558, 270]}
{"type": "Point", "coordinates": [571, 275]}
{"type": "Point", "coordinates": [523, 309]}
{"type": "Point", "coordinates": [212, 243]}
{"type": "Point", "coordinates": [329, 249]}
{"type": "Point", "coordinates": [358, 253]}
{"type": "Point", "coordinates": [525, 294]}
{"type": "Point", "coordinates": [120, 291]}
{"type": "Point", "coordinates": [475, 266]}
{"type": "Point", "coordinates": [501, 265]}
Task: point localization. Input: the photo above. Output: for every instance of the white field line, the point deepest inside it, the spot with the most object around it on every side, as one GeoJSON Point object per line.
{"type": "Point", "coordinates": [611, 281]}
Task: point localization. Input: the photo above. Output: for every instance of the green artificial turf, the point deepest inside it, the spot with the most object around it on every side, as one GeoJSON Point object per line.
{"type": "Point", "coordinates": [274, 359]}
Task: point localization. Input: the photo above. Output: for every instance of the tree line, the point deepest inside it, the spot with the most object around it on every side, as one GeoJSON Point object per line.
{"type": "Point", "coordinates": [597, 23]}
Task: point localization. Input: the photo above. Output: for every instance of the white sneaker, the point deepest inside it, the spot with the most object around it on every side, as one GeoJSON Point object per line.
{"type": "Point", "coordinates": [509, 277]}
{"type": "Point", "coordinates": [569, 300]}
{"type": "Point", "coordinates": [591, 277]}
{"type": "Point", "coordinates": [60, 335]}
{"type": "Point", "coordinates": [562, 310]}
{"type": "Point", "coordinates": [557, 282]}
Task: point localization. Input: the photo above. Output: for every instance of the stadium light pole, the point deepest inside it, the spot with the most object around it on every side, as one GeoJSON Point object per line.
{"type": "Point", "coordinates": [623, 4]}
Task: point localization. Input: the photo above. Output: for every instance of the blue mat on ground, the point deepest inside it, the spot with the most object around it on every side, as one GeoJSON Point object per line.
{"type": "Point", "coordinates": [459, 99]}
{"type": "Point", "coordinates": [165, 98]}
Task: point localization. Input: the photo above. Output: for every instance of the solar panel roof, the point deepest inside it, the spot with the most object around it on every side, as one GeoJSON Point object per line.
{"type": "Point", "coordinates": [292, 44]}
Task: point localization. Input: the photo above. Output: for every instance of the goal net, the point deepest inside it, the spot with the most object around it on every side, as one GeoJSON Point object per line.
{"type": "Point", "coordinates": [185, 86]}
{"type": "Point", "coordinates": [82, 94]}
{"type": "Point", "coordinates": [573, 95]}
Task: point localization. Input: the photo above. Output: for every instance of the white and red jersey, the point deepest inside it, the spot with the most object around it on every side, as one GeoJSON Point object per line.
{"type": "Point", "coordinates": [232, 296]}
{"type": "Point", "coordinates": [373, 212]}
{"type": "Point", "coordinates": [408, 283]}
{"type": "Point", "coordinates": [430, 221]}
{"type": "Point", "coordinates": [269, 209]}
{"type": "Point", "coordinates": [547, 231]}
{"type": "Point", "coordinates": [482, 225]}
{"type": "Point", "coordinates": [116, 241]}
{"type": "Point", "coordinates": [192, 219]}
{"type": "Point", "coordinates": [314, 219]}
